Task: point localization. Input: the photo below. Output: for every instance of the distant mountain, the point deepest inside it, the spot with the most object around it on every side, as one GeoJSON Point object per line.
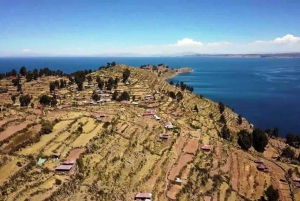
{"type": "Point", "coordinates": [271, 55]}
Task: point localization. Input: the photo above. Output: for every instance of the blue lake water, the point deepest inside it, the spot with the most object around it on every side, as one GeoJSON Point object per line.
{"type": "Point", "coordinates": [265, 91]}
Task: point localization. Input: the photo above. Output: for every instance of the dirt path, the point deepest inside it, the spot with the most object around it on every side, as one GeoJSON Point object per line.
{"type": "Point", "coordinates": [235, 173]}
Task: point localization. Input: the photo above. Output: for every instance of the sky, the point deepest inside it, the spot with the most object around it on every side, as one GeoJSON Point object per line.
{"type": "Point", "coordinates": [140, 27]}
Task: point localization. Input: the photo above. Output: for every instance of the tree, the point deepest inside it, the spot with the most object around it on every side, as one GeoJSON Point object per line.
{"type": "Point", "coordinates": [225, 133]}
{"type": "Point", "coordinates": [45, 100]}
{"type": "Point", "coordinates": [196, 108]}
{"type": "Point", "coordinates": [113, 63]}
{"type": "Point", "coordinates": [124, 96]}
{"type": "Point", "coordinates": [101, 84]}
{"type": "Point", "coordinates": [52, 86]}
{"type": "Point", "coordinates": [172, 94]}
{"type": "Point", "coordinates": [47, 127]}
{"type": "Point", "coordinates": [13, 98]}
{"type": "Point", "coordinates": [35, 74]}
{"type": "Point", "coordinates": [260, 140]}
{"type": "Point", "coordinates": [29, 76]}
{"type": "Point", "coordinates": [244, 139]}
{"type": "Point", "coordinates": [58, 181]}
{"type": "Point", "coordinates": [89, 78]}
{"type": "Point", "coordinates": [179, 96]}
{"type": "Point", "coordinates": [171, 82]}
{"type": "Point", "coordinates": [32, 105]}
{"type": "Point", "coordinates": [221, 107]}
{"type": "Point", "coordinates": [95, 97]}
{"type": "Point", "coordinates": [13, 72]}
{"type": "Point", "coordinates": [53, 102]}
{"type": "Point", "coordinates": [114, 95]}
{"type": "Point", "coordinates": [288, 153]}
{"type": "Point", "coordinates": [16, 81]}
{"type": "Point", "coordinates": [19, 89]}
{"type": "Point", "coordinates": [222, 119]}
{"type": "Point", "coordinates": [98, 79]}
{"type": "Point", "coordinates": [116, 81]}
{"type": "Point", "coordinates": [25, 100]}
{"type": "Point", "coordinates": [272, 194]}
{"type": "Point", "coordinates": [126, 74]}
{"type": "Point", "coordinates": [108, 65]}
{"type": "Point", "coordinates": [275, 132]}
{"type": "Point", "coordinates": [23, 70]}
{"type": "Point", "coordinates": [240, 119]}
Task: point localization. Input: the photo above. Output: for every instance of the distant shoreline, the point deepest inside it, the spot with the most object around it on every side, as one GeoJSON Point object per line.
{"type": "Point", "coordinates": [179, 71]}
{"type": "Point", "coordinates": [279, 55]}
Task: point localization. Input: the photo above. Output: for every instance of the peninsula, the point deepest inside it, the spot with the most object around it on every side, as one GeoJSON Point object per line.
{"type": "Point", "coordinates": [124, 133]}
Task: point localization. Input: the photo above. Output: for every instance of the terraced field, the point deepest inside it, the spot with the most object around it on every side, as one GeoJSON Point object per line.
{"type": "Point", "coordinates": [115, 160]}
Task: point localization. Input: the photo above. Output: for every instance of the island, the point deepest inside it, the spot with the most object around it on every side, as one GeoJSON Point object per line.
{"type": "Point", "coordinates": [125, 133]}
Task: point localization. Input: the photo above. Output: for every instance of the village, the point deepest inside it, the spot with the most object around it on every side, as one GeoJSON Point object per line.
{"type": "Point", "coordinates": [131, 142]}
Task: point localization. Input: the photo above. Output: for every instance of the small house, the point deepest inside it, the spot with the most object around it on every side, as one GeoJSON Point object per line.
{"type": "Point", "coordinates": [148, 113]}
{"type": "Point", "coordinates": [169, 125]}
{"type": "Point", "coordinates": [134, 103]}
{"type": "Point", "coordinates": [143, 196]}
{"type": "Point", "coordinates": [297, 185]}
{"type": "Point", "coordinates": [99, 115]}
{"type": "Point", "coordinates": [156, 117]}
{"type": "Point", "coordinates": [296, 179]}
{"type": "Point", "coordinates": [56, 155]}
{"type": "Point", "coordinates": [164, 136]}
{"type": "Point", "coordinates": [206, 148]}
{"type": "Point", "coordinates": [68, 162]}
{"type": "Point", "coordinates": [64, 168]}
{"type": "Point", "coordinates": [263, 168]}
{"type": "Point", "coordinates": [259, 161]}
{"type": "Point", "coordinates": [178, 181]}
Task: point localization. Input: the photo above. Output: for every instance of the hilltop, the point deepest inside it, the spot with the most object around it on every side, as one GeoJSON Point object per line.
{"type": "Point", "coordinates": [121, 131]}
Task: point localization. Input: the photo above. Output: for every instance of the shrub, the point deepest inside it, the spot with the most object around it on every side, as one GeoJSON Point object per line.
{"type": "Point", "coordinates": [19, 164]}
{"type": "Point", "coordinates": [46, 127]}
{"type": "Point", "coordinates": [244, 139]}
{"type": "Point", "coordinates": [58, 181]}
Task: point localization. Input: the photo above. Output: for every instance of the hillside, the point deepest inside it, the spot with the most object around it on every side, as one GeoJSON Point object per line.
{"type": "Point", "coordinates": [118, 147]}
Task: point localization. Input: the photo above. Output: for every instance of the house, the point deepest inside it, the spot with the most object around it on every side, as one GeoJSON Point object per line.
{"type": "Point", "coordinates": [178, 181]}
{"type": "Point", "coordinates": [156, 117]}
{"type": "Point", "coordinates": [134, 103]}
{"type": "Point", "coordinates": [56, 155]}
{"type": "Point", "coordinates": [169, 125]}
{"type": "Point", "coordinates": [296, 179]}
{"type": "Point", "coordinates": [41, 161]}
{"type": "Point", "coordinates": [297, 185]}
{"type": "Point", "coordinates": [125, 102]}
{"type": "Point", "coordinates": [259, 161]}
{"type": "Point", "coordinates": [143, 196]}
{"type": "Point", "coordinates": [65, 106]}
{"type": "Point", "coordinates": [164, 136]}
{"type": "Point", "coordinates": [88, 85]}
{"type": "Point", "coordinates": [206, 148]}
{"type": "Point", "coordinates": [148, 96]}
{"type": "Point", "coordinates": [68, 162]}
{"type": "Point", "coordinates": [100, 115]}
{"type": "Point", "coordinates": [64, 168]}
{"type": "Point", "coordinates": [148, 113]}
{"type": "Point", "coordinates": [263, 168]}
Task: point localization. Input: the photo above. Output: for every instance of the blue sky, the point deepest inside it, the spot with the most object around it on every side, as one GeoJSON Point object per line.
{"type": "Point", "coordinates": [100, 27]}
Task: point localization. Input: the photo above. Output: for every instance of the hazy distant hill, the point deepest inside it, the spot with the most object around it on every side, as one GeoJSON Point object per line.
{"type": "Point", "coordinates": [275, 55]}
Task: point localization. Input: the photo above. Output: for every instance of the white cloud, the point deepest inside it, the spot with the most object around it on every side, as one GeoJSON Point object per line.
{"type": "Point", "coordinates": [188, 42]}
{"type": "Point", "coordinates": [26, 50]}
{"type": "Point", "coordinates": [289, 38]}
{"type": "Point", "coordinates": [219, 43]}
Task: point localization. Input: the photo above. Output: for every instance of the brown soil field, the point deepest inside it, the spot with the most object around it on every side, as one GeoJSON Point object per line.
{"type": "Point", "coordinates": [13, 129]}
{"type": "Point", "coordinates": [191, 147]}
{"type": "Point", "coordinates": [183, 160]}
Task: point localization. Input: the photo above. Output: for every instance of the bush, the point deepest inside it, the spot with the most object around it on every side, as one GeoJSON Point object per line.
{"type": "Point", "coordinates": [46, 127]}
{"type": "Point", "coordinates": [272, 194]}
{"type": "Point", "coordinates": [58, 181]}
{"type": "Point", "coordinates": [288, 153]}
{"type": "Point", "coordinates": [260, 140]}
{"type": "Point", "coordinates": [244, 139]}
{"type": "Point", "coordinates": [19, 164]}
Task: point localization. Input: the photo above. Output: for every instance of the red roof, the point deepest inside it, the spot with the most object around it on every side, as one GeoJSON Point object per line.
{"type": "Point", "coordinates": [68, 162]}
{"type": "Point", "coordinates": [99, 115]}
{"type": "Point", "coordinates": [206, 147]}
{"type": "Point", "coordinates": [297, 185]}
{"type": "Point", "coordinates": [64, 168]}
{"type": "Point", "coordinates": [143, 196]}
{"type": "Point", "coordinates": [296, 179]}
{"type": "Point", "coordinates": [263, 168]}
{"type": "Point", "coordinates": [258, 161]}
